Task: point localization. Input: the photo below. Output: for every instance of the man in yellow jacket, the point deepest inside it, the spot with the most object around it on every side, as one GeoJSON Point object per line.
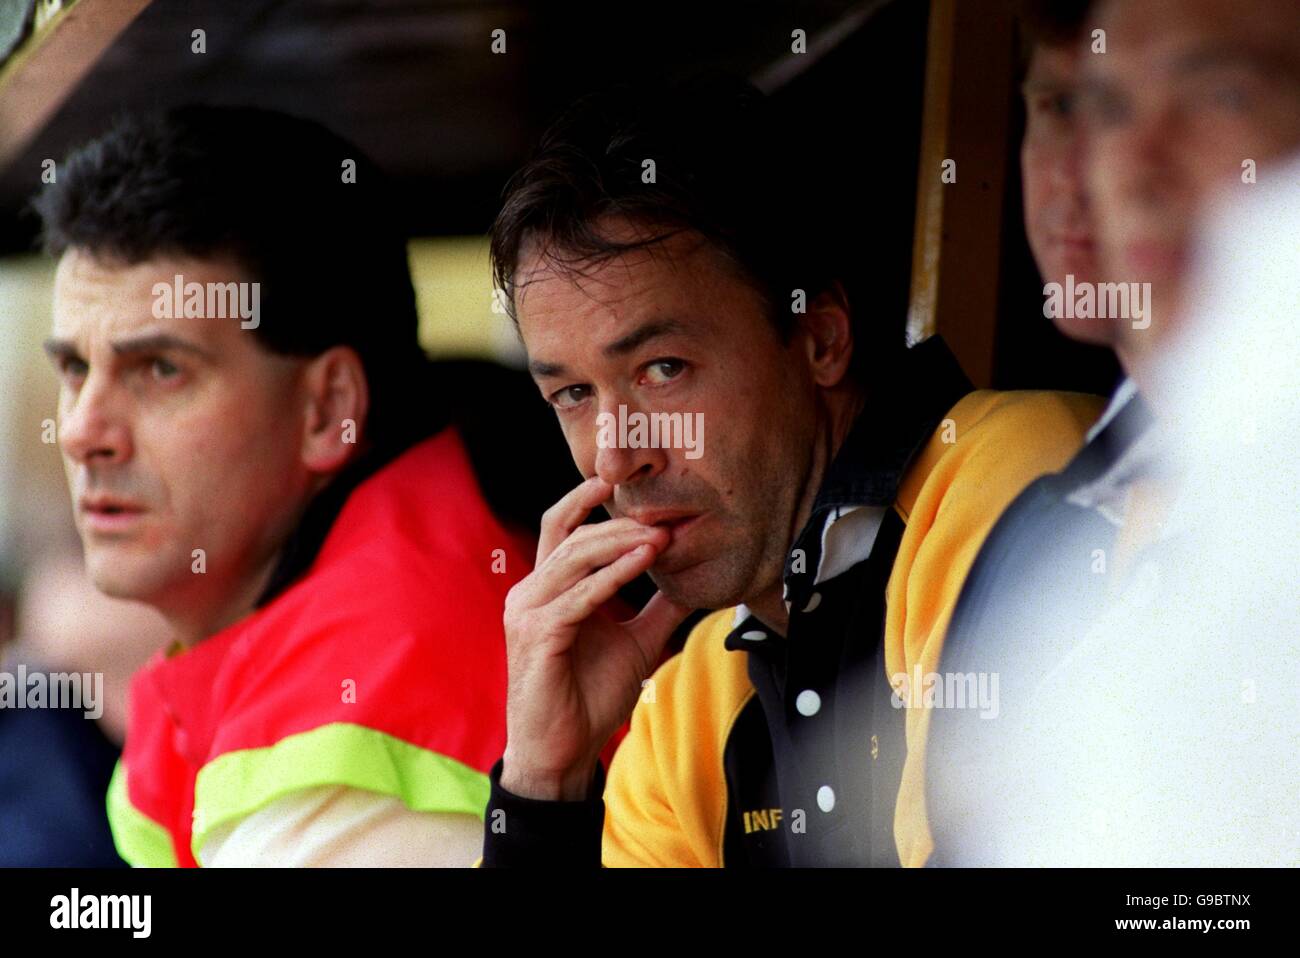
{"type": "Point", "coordinates": [763, 450]}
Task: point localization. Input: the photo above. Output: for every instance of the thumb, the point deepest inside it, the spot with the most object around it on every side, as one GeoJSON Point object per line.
{"type": "Point", "coordinates": [654, 626]}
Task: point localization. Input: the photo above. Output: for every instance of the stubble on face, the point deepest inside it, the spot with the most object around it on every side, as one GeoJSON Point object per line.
{"type": "Point", "coordinates": [757, 404]}
{"type": "Point", "coordinates": [202, 442]}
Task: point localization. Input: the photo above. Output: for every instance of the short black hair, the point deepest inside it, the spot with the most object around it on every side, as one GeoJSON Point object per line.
{"type": "Point", "coordinates": [727, 166]}
{"type": "Point", "coordinates": [268, 189]}
{"type": "Point", "coordinates": [1051, 23]}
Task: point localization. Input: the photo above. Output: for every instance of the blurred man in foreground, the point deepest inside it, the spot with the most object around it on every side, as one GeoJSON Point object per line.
{"type": "Point", "coordinates": [1188, 102]}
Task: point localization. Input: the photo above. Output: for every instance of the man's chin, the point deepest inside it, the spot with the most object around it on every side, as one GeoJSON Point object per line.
{"type": "Point", "coordinates": [699, 586]}
{"type": "Point", "coordinates": [120, 579]}
{"type": "Point", "coordinates": [115, 587]}
{"type": "Point", "coordinates": [1093, 331]}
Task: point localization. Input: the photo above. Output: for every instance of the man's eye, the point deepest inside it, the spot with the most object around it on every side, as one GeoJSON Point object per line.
{"type": "Point", "coordinates": [569, 396]}
{"type": "Point", "coordinates": [1106, 110]}
{"type": "Point", "coordinates": [1056, 105]}
{"type": "Point", "coordinates": [665, 370]}
{"type": "Point", "coordinates": [163, 370]}
{"type": "Point", "coordinates": [71, 368]}
{"type": "Point", "coordinates": [1229, 96]}
{"type": "Point", "coordinates": [1061, 105]}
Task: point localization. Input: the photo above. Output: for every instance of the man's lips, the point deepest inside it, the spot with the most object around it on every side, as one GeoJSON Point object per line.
{"type": "Point", "coordinates": [679, 527]}
{"type": "Point", "coordinates": [1075, 245]}
{"type": "Point", "coordinates": [659, 517]}
{"type": "Point", "coordinates": [678, 523]}
{"type": "Point", "coordinates": [109, 514]}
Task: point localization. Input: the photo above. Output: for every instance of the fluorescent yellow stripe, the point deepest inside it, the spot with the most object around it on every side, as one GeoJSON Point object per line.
{"type": "Point", "coordinates": [237, 784]}
{"type": "Point", "coordinates": [140, 840]}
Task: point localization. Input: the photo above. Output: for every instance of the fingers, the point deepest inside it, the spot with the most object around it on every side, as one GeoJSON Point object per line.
{"type": "Point", "coordinates": [581, 573]}
{"type": "Point", "coordinates": [587, 595]}
{"type": "Point", "coordinates": [588, 549]}
{"type": "Point", "coordinates": [559, 521]}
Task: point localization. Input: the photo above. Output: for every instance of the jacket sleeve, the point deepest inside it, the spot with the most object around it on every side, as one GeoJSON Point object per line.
{"type": "Point", "coordinates": [664, 801]}
{"type": "Point", "coordinates": [335, 826]}
{"type": "Point", "coordinates": [527, 832]}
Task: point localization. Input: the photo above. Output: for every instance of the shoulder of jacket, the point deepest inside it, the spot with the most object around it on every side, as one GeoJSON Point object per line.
{"type": "Point", "coordinates": [1000, 438]}
{"type": "Point", "coordinates": [701, 689]}
{"type": "Point", "coordinates": [705, 666]}
{"type": "Point", "coordinates": [990, 413]}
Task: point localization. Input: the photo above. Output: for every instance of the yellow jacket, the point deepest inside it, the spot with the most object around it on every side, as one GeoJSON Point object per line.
{"type": "Point", "coordinates": [666, 794]}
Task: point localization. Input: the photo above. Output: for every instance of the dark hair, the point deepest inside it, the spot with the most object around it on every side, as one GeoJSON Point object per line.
{"type": "Point", "coordinates": [268, 189]}
{"type": "Point", "coordinates": [726, 167]}
{"type": "Point", "coordinates": [1053, 23]}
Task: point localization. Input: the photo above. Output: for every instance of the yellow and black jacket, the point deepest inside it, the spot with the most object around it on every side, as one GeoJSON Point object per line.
{"type": "Point", "coordinates": [757, 749]}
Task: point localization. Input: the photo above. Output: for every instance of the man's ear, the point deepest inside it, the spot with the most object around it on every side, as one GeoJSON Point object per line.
{"type": "Point", "coordinates": [827, 331]}
{"type": "Point", "coordinates": [337, 400]}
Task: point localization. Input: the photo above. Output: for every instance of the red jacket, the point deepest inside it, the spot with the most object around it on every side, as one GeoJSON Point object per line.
{"type": "Point", "coordinates": [382, 668]}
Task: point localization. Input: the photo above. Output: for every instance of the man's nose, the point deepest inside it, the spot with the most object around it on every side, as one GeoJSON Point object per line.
{"type": "Point", "coordinates": [619, 463]}
{"type": "Point", "coordinates": [1067, 172]}
{"type": "Point", "coordinates": [1146, 156]}
{"type": "Point", "coordinates": [93, 429]}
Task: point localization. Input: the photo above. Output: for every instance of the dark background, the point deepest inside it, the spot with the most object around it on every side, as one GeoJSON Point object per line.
{"type": "Point", "coordinates": [415, 84]}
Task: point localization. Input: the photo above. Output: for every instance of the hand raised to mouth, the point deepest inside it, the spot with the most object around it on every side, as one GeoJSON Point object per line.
{"type": "Point", "coordinates": [575, 673]}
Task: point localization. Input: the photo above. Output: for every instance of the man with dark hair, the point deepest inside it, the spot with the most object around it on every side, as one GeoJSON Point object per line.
{"type": "Point", "coordinates": [663, 259]}
{"type": "Point", "coordinates": [719, 170]}
{"type": "Point", "coordinates": [235, 336]}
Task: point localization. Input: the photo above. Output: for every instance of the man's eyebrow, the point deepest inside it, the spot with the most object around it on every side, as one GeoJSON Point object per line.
{"type": "Point", "coordinates": [619, 347]}
{"type": "Point", "coordinates": [158, 342]}
{"type": "Point", "coordinates": [1211, 58]}
{"type": "Point", "coordinates": [544, 370]}
{"type": "Point", "coordinates": [642, 335]}
{"type": "Point", "coordinates": [153, 343]}
{"type": "Point", "coordinates": [60, 349]}
{"type": "Point", "coordinates": [1045, 85]}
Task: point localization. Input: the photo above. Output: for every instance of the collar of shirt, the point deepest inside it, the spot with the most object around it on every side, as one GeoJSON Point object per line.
{"type": "Point", "coordinates": [869, 466]}
{"type": "Point", "coordinates": [304, 543]}
{"type": "Point", "coordinates": [1109, 493]}
{"type": "Point", "coordinates": [1128, 449]}
{"type": "Point", "coordinates": [1123, 394]}
{"type": "Point", "coordinates": [847, 538]}
{"type": "Point", "coordinates": [862, 481]}
{"type": "Point", "coordinates": [900, 418]}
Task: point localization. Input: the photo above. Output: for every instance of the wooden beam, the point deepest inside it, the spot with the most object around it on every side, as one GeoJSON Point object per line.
{"type": "Point", "coordinates": [956, 252]}
{"type": "Point", "coordinates": [68, 39]}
